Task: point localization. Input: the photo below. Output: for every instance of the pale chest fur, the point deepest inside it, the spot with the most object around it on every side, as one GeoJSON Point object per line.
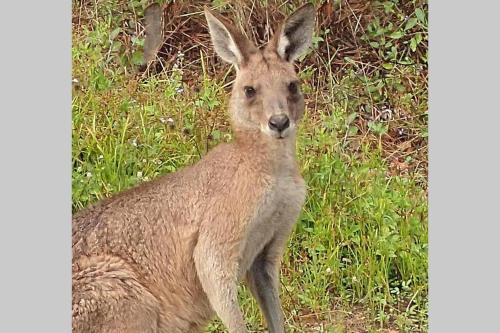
{"type": "Point", "coordinates": [276, 214]}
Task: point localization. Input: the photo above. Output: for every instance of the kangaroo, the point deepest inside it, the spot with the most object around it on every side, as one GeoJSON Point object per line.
{"type": "Point", "coordinates": [167, 255]}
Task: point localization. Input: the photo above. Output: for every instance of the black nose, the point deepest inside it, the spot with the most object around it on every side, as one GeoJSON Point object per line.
{"type": "Point", "coordinates": [279, 122]}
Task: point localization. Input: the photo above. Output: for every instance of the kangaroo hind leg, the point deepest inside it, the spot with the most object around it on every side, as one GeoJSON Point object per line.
{"type": "Point", "coordinates": [107, 297]}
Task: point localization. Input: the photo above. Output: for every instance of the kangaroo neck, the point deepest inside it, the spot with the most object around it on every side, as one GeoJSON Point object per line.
{"type": "Point", "coordinates": [257, 146]}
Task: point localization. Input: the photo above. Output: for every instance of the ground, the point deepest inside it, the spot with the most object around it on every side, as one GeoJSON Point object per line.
{"type": "Point", "coordinates": [357, 260]}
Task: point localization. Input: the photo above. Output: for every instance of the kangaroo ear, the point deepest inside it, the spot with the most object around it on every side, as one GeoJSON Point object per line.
{"type": "Point", "coordinates": [295, 34]}
{"type": "Point", "coordinates": [228, 42]}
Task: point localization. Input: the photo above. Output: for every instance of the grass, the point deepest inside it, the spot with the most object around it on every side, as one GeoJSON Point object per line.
{"type": "Point", "coordinates": [357, 261]}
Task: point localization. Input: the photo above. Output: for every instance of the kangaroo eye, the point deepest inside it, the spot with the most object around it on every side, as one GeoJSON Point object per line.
{"type": "Point", "coordinates": [249, 91]}
{"type": "Point", "coordinates": [293, 87]}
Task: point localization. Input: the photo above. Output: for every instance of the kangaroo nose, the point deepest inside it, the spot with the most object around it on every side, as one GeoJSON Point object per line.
{"type": "Point", "coordinates": [279, 122]}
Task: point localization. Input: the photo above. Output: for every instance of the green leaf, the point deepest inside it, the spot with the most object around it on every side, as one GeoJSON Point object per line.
{"type": "Point", "coordinates": [353, 130]}
{"type": "Point", "coordinates": [420, 15]}
{"type": "Point", "coordinates": [377, 128]}
{"type": "Point", "coordinates": [418, 37]}
{"type": "Point", "coordinates": [320, 248]}
{"type": "Point", "coordinates": [397, 34]}
{"type": "Point", "coordinates": [413, 44]}
{"type": "Point", "coordinates": [388, 7]}
{"type": "Point", "coordinates": [138, 41]}
{"type": "Point", "coordinates": [374, 44]}
{"type": "Point", "coordinates": [411, 23]}
{"type": "Point", "coordinates": [388, 65]}
{"type": "Point", "coordinates": [316, 40]}
{"type": "Point", "coordinates": [137, 58]}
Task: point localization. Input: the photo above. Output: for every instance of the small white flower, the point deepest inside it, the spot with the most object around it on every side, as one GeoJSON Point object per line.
{"type": "Point", "coordinates": [179, 90]}
{"type": "Point", "coordinates": [139, 174]}
{"type": "Point", "coordinates": [100, 157]}
{"type": "Point", "coordinates": [89, 174]}
{"type": "Point", "coordinates": [328, 270]}
{"type": "Point", "coordinates": [134, 142]}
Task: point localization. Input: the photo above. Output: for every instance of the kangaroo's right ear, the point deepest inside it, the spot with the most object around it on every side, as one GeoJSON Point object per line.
{"type": "Point", "coordinates": [295, 34]}
{"type": "Point", "coordinates": [228, 42]}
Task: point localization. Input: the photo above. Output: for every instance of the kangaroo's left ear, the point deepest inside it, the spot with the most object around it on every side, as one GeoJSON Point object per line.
{"type": "Point", "coordinates": [295, 34]}
{"type": "Point", "coordinates": [228, 42]}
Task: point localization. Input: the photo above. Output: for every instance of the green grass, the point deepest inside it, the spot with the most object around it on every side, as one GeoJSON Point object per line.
{"type": "Point", "coordinates": [357, 261]}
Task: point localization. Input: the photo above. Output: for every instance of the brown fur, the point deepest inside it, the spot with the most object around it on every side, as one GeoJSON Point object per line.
{"type": "Point", "coordinates": [167, 255]}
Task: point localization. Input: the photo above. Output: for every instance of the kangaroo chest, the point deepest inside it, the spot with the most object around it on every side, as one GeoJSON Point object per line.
{"type": "Point", "coordinates": [276, 214]}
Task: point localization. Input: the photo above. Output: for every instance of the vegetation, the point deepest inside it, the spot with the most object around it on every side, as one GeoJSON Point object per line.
{"type": "Point", "coordinates": [357, 261]}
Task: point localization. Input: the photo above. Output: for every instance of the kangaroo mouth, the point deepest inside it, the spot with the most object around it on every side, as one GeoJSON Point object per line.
{"type": "Point", "coordinates": [278, 135]}
{"type": "Point", "coordinates": [283, 134]}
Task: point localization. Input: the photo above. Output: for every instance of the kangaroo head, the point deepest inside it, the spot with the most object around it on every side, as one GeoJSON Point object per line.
{"type": "Point", "coordinates": [266, 94]}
